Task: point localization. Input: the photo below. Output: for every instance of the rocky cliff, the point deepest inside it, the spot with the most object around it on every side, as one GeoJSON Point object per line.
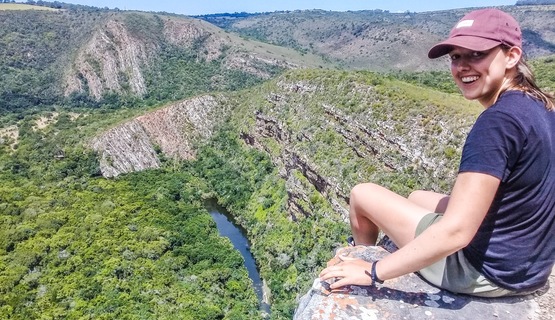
{"type": "Point", "coordinates": [311, 131]}
{"type": "Point", "coordinates": [136, 145]}
{"type": "Point", "coordinates": [111, 60]}
{"type": "Point", "coordinates": [311, 128]}
{"type": "Point", "coordinates": [126, 47]}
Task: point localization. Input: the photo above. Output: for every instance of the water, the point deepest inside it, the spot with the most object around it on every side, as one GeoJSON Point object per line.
{"type": "Point", "coordinates": [227, 228]}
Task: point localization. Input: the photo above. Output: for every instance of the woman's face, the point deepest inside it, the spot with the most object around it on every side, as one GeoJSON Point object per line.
{"type": "Point", "coordinates": [480, 75]}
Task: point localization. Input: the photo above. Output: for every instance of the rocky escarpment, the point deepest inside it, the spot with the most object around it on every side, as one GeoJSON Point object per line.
{"type": "Point", "coordinates": [291, 126]}
{"type": "Point", "coordinates": [124, 49]}
{"type": "Point", "coordinates": [289, 161]}
{"type": "Point", "coordinates": [135, 145]}
{"type": "Point", "coordinates": [112, 59]}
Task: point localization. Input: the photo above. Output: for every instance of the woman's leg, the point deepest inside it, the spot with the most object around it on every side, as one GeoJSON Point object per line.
{"type": "Point", "coordinates": [373, 207]}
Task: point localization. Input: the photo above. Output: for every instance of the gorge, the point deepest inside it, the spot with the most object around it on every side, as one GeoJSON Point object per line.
{"type": "Point", "coordinates": [116, 126]}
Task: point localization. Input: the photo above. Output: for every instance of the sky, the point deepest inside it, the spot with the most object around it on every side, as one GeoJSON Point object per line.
{"type": "Point", "coordinates": [199, 7]}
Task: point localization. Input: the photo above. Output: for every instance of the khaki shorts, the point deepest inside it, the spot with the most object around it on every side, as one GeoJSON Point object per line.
{"type": "Point", "coordinates": [455, 273]}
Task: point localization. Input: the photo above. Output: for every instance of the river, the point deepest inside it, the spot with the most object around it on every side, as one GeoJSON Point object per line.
{"type": "Point", "coordinates": [228, 228]}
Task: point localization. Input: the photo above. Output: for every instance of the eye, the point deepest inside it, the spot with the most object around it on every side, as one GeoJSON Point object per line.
{"type": "Point", "coordinates": [477, 54]}
{"type": "Point", "coordinates": [455, 56]}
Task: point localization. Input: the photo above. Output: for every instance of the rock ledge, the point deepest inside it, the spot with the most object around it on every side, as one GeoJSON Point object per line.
{"type": "Point", "coordinates": [407, 297]}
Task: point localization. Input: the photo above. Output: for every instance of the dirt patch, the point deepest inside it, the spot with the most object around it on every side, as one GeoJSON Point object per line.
{"type": "Point", "coordinates": [11, 134]}
{"type": "Point", "coordinates": [44, 121]}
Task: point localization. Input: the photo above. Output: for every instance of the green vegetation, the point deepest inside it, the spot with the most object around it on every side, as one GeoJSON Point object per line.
{"type": "Point", "coordinates": [544, 70]}
{"type": "Point", "coordinates": [76, 245]}
{"type": "Point", "coordinates": [33, 56]}
{"type": "Point", "coordinates": [178, 73]}
{"type": "Point", "coordinates": [290, 252]}
{"type": "Point", "coordinates": [437, 80]}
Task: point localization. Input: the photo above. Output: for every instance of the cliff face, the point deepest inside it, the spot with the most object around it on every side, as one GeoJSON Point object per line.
{"type": "Point", "coordinates": [318, 142]}
{"type": "Point", "coordinates": [110, 61]}
{"type": "Point", "coordinates": [126, 47]}
{"type": "Point", "coordinates": [315, 138]}
{"type": "Point", "coordinates": [132, 146]}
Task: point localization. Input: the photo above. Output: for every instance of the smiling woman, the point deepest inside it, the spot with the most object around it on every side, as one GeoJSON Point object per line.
{"type": "Point", "coordinates": [502, 201]}
{"type": "Point", "coordinates": [481, 74]}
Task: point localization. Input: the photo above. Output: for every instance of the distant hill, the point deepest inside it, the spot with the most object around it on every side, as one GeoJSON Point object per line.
{"type": "Point", "coordinates": [20, 6]}
{"type": "Point", "coordinates": [89, 56]}
{"type": "Point", "coordinates": [81, 55]}
{"type": "Point", "coordinates": [379, 40]}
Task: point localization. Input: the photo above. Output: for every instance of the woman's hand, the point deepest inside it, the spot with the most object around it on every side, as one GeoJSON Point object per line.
{"type": "Point", "coordinates": [350, 271]}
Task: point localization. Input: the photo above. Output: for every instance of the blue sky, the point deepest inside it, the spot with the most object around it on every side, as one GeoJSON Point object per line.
{"type": "Point", "coordinates": [195, 7]}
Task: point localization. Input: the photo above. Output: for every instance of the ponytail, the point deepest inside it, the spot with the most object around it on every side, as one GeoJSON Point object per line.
{"type": "Point", "coordinates": [525, 81]}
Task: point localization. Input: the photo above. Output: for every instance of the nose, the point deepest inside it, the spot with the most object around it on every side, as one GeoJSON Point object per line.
{"type": "Point", "coordinates": [460, 64]}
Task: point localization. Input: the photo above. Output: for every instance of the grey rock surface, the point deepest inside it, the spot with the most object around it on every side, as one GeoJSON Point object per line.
{"type": "Point", "coordinates": [407, 297]}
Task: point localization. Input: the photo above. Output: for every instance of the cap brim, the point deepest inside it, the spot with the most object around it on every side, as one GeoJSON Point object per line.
{"type": "Point", "coordinates": [468, 42]}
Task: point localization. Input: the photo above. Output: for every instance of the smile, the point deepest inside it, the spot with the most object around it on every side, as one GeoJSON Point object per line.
{"type": "Point", "coordinates": [469, 79]}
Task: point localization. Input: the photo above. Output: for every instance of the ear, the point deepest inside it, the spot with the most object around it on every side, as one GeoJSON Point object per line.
{"type": "Point", "coordinates": [513, 57]}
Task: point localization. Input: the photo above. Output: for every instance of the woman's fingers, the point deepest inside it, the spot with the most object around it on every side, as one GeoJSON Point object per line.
{"type": "Point", "coordinates": [348, 272]}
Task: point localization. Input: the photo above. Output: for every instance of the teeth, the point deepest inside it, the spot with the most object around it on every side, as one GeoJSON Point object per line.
{"type": "Point", "coordinates": [469, 79]}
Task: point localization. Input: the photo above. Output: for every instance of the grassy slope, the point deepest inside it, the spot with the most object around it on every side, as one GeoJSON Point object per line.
{"type": "Point", "coordinates": [20, 6]}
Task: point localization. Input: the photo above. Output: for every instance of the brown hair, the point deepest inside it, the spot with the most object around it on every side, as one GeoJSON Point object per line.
{"type": "Point", "coordinates": [525, 81]}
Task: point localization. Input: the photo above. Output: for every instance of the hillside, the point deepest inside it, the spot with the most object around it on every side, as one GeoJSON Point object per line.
{"type": "Point", "coordinates": [85, 57]}
{"type": "Point", "coordinates": [322, 132]}
{"type": "Point", "coordinates": [379, 40]}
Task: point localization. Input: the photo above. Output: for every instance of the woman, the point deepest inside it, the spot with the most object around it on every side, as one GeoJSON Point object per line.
{"type": "Point", "coordinates": [495, 234]}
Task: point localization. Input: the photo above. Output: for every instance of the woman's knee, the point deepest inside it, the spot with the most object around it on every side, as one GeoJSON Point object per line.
{"type": "Point", "coordinates": [359, 199]}
{"type": "Point", "coordinates": [416, 195]}
{"type": "Point", "coordinates": [362, 191]}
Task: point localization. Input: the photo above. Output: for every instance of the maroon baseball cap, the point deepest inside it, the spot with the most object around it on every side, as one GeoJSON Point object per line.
{"type": "Point", "coordinates": [481, 30]}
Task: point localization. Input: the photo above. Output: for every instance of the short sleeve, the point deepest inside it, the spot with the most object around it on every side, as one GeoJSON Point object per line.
{"type": "Point", "coordinates": [493, 145]}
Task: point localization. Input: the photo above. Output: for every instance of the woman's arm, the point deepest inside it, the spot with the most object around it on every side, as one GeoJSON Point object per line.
{"type": "Point", "coordinates": [470, 200]}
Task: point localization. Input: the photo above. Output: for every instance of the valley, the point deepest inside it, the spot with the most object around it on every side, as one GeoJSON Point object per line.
{"type": "Point", "coordinates": [117, 126]}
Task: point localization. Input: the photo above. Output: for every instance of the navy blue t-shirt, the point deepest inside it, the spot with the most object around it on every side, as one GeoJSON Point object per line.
{"type": "Point", "coordinates": [514, 140]}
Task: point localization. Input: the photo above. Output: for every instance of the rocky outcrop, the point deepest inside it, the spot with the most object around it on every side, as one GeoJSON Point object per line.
{"type": "Point", "coordinates": [134, 145]}
{"type": "Point", "coordinates": [110, 61]}
{"type": "Point", "coordinates": [126, 148]}
{"type": "Point", "coordinates": [366, 142]}
{"type": "Point", "coordinates": [119, 54]}
{"type": "Point", "coordinates": [289, 161]}
{"type": "Point", "coordinates": [409, 297]}
{"type": "Point", "coordinates": [387, 141]}
{"type": "Point", "coordinates": [191, 32]}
